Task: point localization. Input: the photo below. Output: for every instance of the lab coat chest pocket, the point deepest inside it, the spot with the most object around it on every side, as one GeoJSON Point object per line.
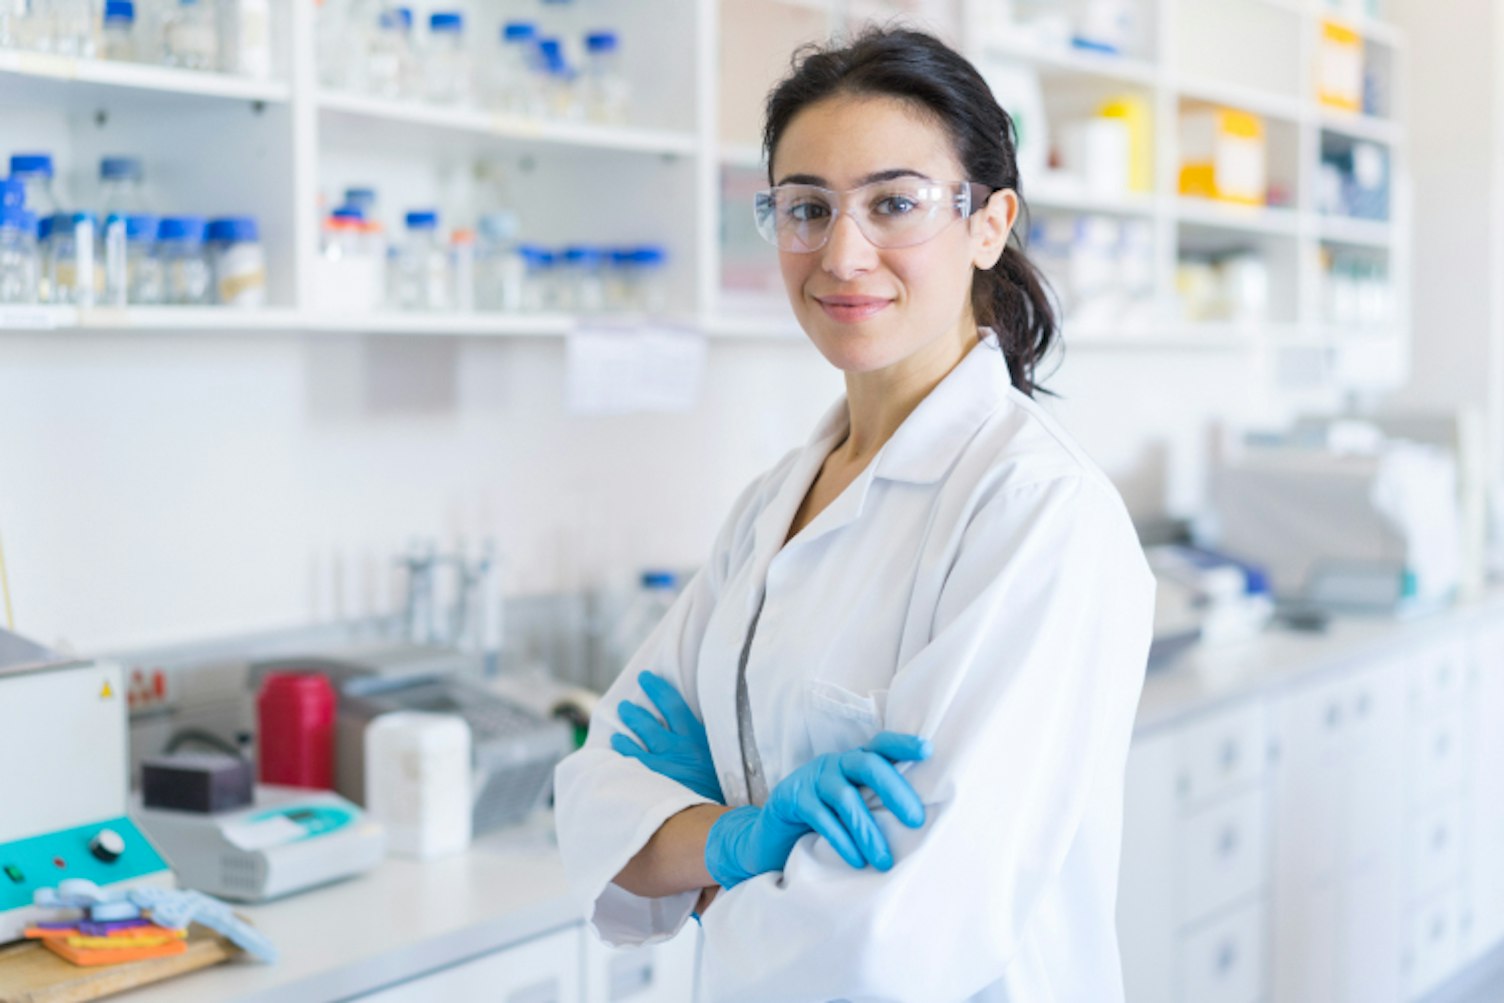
{"type": "Point", "coordinates": [839, 719]}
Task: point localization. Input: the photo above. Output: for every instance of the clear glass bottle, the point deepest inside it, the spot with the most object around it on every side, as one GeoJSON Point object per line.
{"type": "Point", "coordinates": [560, 99]}
{"type": "Point", "coordinates": [18, 253]}
{"type": "Point", "coordinates": [538, 292]}
{"type": "Point", "coordinates": [604, 85]}
{"type": "Point", "coordinates": [190, 36]}
{"type": "Point", "coordinates": [446, 60]}
{"type": "Point", "coordinates": [584, 279]}
{"type": "Point", "coordinates": [145, 280]}
{"type": "Point", "coordinates": [246, 38]}
{"type": "Point", "coordinates": [332, 47]}
{"type": "Point", "coordinates": [641, 615]}
{"type": "Point", "coordinates": [26, 24]}
{"type": "Point", "coordinates": [512, 75]}
{"type": "Point", "coordinates": [73, 28]}
{"type": "Point", "coordinates": [499, 269]}
{"type": "Point", "coordinates": [237, 262]}
{"type": "Point", "coordinates": [34, 172]}
{"type": "Point", "coordinates": [71, 258]}
{"type": "Point", "coordinates": [119, 37]}
{"type": "Point", "coordinates": [362, 200]}
{"type": "Point", "coordinates": [120, 185]}
{"type": "Point", "coordinates": [462, 270]}
{"type": "Point", "coordinates": [185, 269]}
{"type": "Point", "coordinates": [649, 278]}
{"type": "Point", "coordinates": [420, 277]}
{"type": "Point", "coordinates": [390, 65]}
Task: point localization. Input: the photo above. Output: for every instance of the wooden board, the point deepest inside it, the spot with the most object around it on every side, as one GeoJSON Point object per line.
{"type": "Point", "coordinates": [30, 973]}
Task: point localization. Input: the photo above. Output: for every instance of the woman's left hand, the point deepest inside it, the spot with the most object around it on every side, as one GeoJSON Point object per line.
{"type": "Point", "coordinates": [679, 749]}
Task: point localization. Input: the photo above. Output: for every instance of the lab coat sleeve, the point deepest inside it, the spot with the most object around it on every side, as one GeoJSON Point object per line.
{"type": "Point", "coordinates": [1027, 688]}
{"type": "Point", "coordinates": [606, 805]}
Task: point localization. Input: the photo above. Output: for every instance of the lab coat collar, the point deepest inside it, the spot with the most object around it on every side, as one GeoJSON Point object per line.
{"type": "Point", "coordinates": [921, 451]}
{"type": "Point", "coordinates": [930, 439]}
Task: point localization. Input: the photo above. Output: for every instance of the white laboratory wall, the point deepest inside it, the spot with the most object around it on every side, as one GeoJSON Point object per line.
{"type": "Point", "coordinates": [172, 487]}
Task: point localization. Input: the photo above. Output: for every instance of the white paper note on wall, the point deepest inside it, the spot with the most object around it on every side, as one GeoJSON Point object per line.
{"type": "Point", "coordinates": [627, 370]}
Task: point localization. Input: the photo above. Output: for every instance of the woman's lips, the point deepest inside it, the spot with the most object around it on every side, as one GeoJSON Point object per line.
{"type": "Point", "coordinates": [851, 309]}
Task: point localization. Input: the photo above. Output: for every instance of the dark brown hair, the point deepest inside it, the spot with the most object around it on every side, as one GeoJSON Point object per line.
{"type": "Point", "coordinates": [1011, 297]}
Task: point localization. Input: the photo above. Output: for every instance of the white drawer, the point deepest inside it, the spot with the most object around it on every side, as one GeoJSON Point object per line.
{"type": "Point", "coordinates": [1434, 849]}
{"type": "Point", "coordinates": [1432, 944]}
{"type": "Point", "coordinates": [1438, 677]}
{"type": "Point", "coordinates": [1225, 962]}
{"type": "Point", "coordinates": [1223, 850]}
{"type": "Point", "coordinates": [1437, 758]}
{"type": "Point", "coordinates": [1221, 753]}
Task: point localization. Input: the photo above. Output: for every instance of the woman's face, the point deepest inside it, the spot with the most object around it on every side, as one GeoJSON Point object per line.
{"type": "Point", "coordinates": [867, 308]}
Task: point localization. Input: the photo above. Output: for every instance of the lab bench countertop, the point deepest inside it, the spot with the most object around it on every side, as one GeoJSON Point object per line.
{"type": "Point", "coordinates": [402, 919]}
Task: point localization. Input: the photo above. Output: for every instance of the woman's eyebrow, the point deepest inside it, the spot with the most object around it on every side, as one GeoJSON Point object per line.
{"type": "Point", "coordinates": [887, 175]}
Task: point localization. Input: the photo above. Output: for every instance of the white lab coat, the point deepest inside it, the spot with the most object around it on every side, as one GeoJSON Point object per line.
{"type": "Point", "coordinates": [979, 584]}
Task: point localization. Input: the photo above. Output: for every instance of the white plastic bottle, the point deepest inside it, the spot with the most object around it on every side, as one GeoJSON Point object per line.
{"type": "Point", "coordinates": [190, 36]}
{"type": "Point", "coordinates": [420, 274]}
{"type": "Point", "coordinates": [246, 33]}
{"type": "Point", "coordinates": [418, 782]}
{"type": "Point", "coordinates": [446, 60]}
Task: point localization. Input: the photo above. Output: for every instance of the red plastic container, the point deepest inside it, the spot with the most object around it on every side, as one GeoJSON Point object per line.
{"type": "Point", "coordinates": [295, 730]}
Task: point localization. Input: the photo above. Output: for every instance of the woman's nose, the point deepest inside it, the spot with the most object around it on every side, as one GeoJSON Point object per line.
{"type": "Point", "coordinates": [847, 252]}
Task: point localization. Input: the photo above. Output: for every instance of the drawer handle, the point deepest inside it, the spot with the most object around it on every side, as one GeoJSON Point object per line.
{"type": "Point", "coordinates": [547, 991]}
{"type": "Point", "coordinates": [1228, 844]}
{"type": "Point", "coordinates": [1439, 838]}
{"type": "Point", "coordinates": [1227, 957]}
{"type": "Point", "coordinates": [1443, 745]}
{"type": "Point", "coordinates": [1333, 716]}
{"type": "Point", "coordinates": [1363, 704]}
{"type": "Point", "coordinates": [1231, 753]}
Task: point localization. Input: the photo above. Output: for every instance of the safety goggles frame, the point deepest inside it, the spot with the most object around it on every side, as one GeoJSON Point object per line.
{"type": "Point", "coordinates": [962, 197]}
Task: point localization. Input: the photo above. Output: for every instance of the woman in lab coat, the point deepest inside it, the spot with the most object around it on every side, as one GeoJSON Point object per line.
{"type": "Point", "coordinates": [938, 603]}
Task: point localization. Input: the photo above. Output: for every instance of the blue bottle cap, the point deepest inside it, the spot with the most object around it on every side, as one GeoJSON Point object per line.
{"type": "Point", "coordinates": [650, 254]}
{"type": "Point", "coordinates": [12, 194]}
{"type": "Point", "coordinates": [120, 168]}
{"type": "Point", "coordinates": [140, 228]}
{"type": "Point", "coordinates": [13, 217]}
{"type": "Point", "coordinates": [536, 256]}
{"type": "Point", "coordinates": [31, 163]}
{"type": "Point", "coordinates": [119, 10]}
{"type": "Point", "coordinates": [601, 41]}
{"type": "Point", "coordinates": [187, 229]}
{"type": "Point", "coordinates": [579, 254]}
{"type": "Point", "coordinates": [425, 219]}
{"type": "Point", "coordinates": [349, 213]}
{"type": "Point", "coordinates": [658, 580]}
{"type": "Point", "coordinates": [360, 198]}
{"type": "Point", "coordinates": [518, 31]}
{"type": "Point", "coordinates": [44, 228]}
{"type": "Point", "coordinates": [552, 51]}
{"type": "Point", "coordinates": [232, 230]}
{"type": "Point", "coordinates": [72, 220]}
{"type": "Point", "coordinates": [397, 17]}
{"type": "Point", "coordinates": [448, 20]}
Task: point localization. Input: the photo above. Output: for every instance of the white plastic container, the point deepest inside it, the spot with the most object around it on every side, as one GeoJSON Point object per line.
{"type": "Point", "coordinates": [418, 777]}
{"type": "Point", "coordinates": [246, 28]}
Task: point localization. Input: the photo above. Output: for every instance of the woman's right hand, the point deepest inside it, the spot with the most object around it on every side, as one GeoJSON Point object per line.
{"type": "Point", "coordinates": [821, 796]}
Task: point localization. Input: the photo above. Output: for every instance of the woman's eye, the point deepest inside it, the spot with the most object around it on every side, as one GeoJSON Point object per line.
{"type": "Point", "coordinates": [895, 205]}
{"type": "Point", "coordinates": [807, 212]}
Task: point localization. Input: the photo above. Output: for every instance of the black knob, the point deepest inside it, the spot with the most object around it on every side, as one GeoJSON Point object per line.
{"type": "Point", "coordinates": [107, 845]}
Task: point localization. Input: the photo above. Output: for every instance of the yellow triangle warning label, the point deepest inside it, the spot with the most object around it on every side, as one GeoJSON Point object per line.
{"type": "Point", "coordinates": [106, 692]}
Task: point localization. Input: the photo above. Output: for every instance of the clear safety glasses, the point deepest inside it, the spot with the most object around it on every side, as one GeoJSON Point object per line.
{"type": "Point", "coordinates": [897, 213]}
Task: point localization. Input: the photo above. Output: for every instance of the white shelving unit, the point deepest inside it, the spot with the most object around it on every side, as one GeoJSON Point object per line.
{"type": "Point", "coordinates": [276, 148]}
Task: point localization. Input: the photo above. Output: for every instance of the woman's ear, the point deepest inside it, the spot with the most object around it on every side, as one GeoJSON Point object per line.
{"type": "Point", "coordinates": [990, 227]}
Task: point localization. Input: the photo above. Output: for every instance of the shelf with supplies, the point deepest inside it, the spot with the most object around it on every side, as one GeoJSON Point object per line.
{"type": "Point", "coordinates": [37, 78]}
{"type": "Point", "coordinates": [1255, 141]}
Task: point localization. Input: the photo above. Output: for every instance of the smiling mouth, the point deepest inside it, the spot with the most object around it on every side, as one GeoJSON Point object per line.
{"type": "Point", "coordinates": [850, 309]}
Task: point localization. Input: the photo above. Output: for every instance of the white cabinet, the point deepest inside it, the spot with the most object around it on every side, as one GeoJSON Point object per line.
{"type": "Point", "coordinates": [656, 973]}
{"type": "Point", "coordinates": [1483, 907]}
{"type": "Point", "coordinates": [1338, 828]}
{"type": "Point", "coordinates": [1192, 920]}
{"type": "Point", "coordinates": [543, 970]}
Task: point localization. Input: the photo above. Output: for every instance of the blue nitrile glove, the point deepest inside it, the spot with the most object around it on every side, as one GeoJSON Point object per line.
{"type": "Point", "coordinates": [821, 796]}
{"type": "Point", "coordinates": [679, 750]}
